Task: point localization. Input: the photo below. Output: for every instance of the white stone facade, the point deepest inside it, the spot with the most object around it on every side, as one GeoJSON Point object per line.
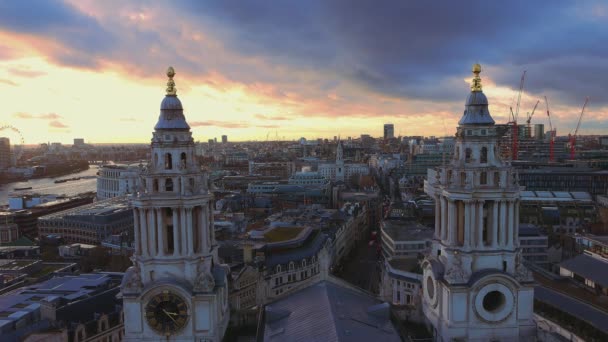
{"type": "Point", "coordinates": [175, 247]}
{"type": "Point", "coordinates": [116, 180]}
{"type": "Point", "coordinates": [475, 287]}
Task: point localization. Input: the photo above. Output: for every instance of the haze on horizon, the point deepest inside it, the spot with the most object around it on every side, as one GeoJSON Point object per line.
{"type": "Point", "coordinates": [96, 70]}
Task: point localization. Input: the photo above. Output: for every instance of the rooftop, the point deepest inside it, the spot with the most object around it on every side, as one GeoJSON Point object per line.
{"type": "Point", "coordinates": [585, 265]}
{"type": "Point", "coordinates": [404, 231]}
{"type": "Point", "coordinates": [63, 288]}
{"type": "Point", "coordinates": [280, 234]}
{"type": "Point", "coordinates": [556, 196]}
{"type": "Point", "coordinates": [328, 312]}
{"type": "Point", "coordinates": [95, 211]}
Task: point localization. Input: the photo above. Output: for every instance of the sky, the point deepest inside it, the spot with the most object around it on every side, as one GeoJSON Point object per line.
{"type": "Point", "coordinates": [257, 70]}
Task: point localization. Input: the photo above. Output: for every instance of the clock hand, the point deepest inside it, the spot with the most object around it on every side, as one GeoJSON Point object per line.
{"type": "Point", "coordinates": [169, 315]}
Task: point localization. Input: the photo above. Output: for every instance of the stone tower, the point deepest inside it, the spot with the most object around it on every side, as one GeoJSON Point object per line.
{"type": "Point", "coordinates": [176, 289]}
{"type": "Point", "coordinates": [475, 287]}
{"type": "Point", "coordinates": [340, 172]}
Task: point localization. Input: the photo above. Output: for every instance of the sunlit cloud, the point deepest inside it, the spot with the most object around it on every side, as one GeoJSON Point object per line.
{"type": "Point", "coordinates": [57, 124]}
{"type": "Point", "coordinates": [222, 124]}
{"type": "Point", "coordinates": [311, 68]}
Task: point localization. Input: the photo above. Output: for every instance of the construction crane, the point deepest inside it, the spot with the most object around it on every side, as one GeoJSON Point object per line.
{"type": "Point", "coordinates": [514, 133]}
{"type": "Point", "coordinates": [551, 132]}
{"type": "Point", "coordinates": [529, 119]}
{"type": "Point", "coordinates": [572, 137]}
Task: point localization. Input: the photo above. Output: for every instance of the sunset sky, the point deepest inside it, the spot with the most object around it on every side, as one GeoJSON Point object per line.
{"type": "Point", "coordinates": [314, 68]}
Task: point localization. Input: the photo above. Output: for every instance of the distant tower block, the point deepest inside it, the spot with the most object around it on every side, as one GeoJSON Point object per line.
{"type": "Point", "coordinates": [389, 131]}
{"type": "Point", "coordinates": [475, 287]}
{"type": "Point", "coordinates": [224, 139]}
{"type": "Point", "coordinates": [5, 153]}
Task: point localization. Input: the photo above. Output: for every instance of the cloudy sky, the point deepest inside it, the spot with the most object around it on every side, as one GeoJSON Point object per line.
{"type": "Point", "coordinates": [314, 68]}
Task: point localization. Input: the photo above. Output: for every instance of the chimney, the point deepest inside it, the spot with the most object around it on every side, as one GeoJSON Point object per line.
{"type": "Point", "coordinates": [247, 252]}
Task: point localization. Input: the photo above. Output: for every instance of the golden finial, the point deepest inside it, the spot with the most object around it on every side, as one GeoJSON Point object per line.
{"type": "Point", "coordinates": [476, 84]}
{"type": "Point", "coordinates": [171, 90]}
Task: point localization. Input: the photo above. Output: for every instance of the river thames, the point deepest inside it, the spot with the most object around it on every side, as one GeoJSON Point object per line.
{"type": "Point", "coordinates": [48, 185]}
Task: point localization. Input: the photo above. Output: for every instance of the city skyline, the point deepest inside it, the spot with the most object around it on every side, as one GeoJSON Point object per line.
{"type": "Point", "coordinates": [83, 69]}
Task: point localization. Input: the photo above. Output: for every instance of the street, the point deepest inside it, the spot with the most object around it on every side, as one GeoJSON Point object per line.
{"type": "Point", "coordinates": [362, 267]}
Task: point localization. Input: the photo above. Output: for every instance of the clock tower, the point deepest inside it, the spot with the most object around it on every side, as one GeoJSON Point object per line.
{"type": "Point", "coordinates": [475, 287]}
{"type": "Point", "coordinates": [176, 289]}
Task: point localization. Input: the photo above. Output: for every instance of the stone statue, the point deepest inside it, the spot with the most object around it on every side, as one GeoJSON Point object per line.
{"type": "Point", "coordinates": [132, 281]}
{"type": "Point", "coordinates": [204, 280]}
{"type": "Point", "coordinates": [456, 273]}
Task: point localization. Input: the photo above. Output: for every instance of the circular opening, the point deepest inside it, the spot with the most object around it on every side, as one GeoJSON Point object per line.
{"type": "Point", "coordinates": [430, 287]}
{"type": "Point", "coordinates": [493, 301]}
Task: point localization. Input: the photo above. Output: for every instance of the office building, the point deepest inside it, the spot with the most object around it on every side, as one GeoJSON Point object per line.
{"type": "Point", "coordinates": [5, 153]}
{"type": "Point", "coordinates": [389, 131]}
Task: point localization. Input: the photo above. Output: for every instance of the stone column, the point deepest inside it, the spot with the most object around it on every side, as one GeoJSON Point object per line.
{"type": "Point", "coordinates": [183, 231]}
{"type": "Point", "coordinates": [467, 224]}
{"type": "Point", "coordinates": [444, 218]}
{"type": "Point", "coordinates": [153, 231]}
{"type": "Point", "coordinates": [480, 242]}
{"type": "Point", "coordinates": [189, 230]}
{"type": "Point", "coordinates": [210, 224]}
{"type": "Point", "coordinates": [515, 236]}
{"type": "Point", "coordinates": [495, 216]}
{"type": "Point", "coordinates": [502, 225]}
{"type": "Point", "coordinates": [136, 233]}
{"type": "Point", "coordinates": [160, 227]}
{"type": "Point", "coordinates": [177, 246]}
{"type": "Point", "coordinates": [143, 229]}
{"type": "Point", "coordinates": [511, 227]}
{"type": "Point", "coordinates": [452, 223]}
{"type": "Point", "coordinates": [437, 217]}
{"type": "Point", "coordinates": [204, 235]}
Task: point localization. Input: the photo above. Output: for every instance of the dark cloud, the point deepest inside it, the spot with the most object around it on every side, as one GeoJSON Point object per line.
{"type": "Point", "coordinates": [60, 22]}
{"type": "Point", "coordinates": [402, 49]}
{"type": "Point", "coordinates": [413, 49]}
{"type": "Point", "coordinates": [57, 124]}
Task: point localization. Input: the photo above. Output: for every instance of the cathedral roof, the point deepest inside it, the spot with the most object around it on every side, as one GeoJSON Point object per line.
{"type": "Point", "coordinates": [171, 110]}
{"type": "Point", "coordinates": [476, 108]}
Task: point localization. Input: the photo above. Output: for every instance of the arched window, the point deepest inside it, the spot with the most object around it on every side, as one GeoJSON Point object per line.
{"type": "Point", "coordinates": [484, 155]}
{"type": "Point", "coordinates": [168, 161]}
{"type": "Point", "coordinates": [467, 155]}
{"type": "Point", "coordinates": [155, 185]}
{"type": "Point", "coordinates": [457, 153]}
{"type": "Point", "coordinates": [169, 184]}
{"type": "Point", "coordinates": [183, 160]}
{"type": "Point", "coordinates": [303, 262]}
{"type": "Point", "coordinates": [278, 268]}
{"type": "Point", "coordinates": [155, 159]}
{"type": "Point", "coordinates": [291, 265]}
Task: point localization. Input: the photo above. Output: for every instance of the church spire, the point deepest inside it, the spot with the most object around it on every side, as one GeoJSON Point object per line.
{"type": "Point", "coordinates": [476, 84]}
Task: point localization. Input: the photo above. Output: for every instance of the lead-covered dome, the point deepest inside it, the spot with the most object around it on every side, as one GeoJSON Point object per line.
{"type": "Point", "coordinates": [476, 108]}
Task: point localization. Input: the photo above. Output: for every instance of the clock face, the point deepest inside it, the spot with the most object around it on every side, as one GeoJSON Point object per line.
{"type": "Point", "coordinates": [167, 313]}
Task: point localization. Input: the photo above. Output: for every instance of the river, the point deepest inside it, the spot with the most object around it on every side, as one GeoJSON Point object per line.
{"type": "Point", "coordinates": [48, 185]}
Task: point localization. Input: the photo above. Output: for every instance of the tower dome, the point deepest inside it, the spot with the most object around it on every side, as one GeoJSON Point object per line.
{"type": "Point", "coordinates": [171, 110]}
{"type": "Point", "coordinates": [476, 108]}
